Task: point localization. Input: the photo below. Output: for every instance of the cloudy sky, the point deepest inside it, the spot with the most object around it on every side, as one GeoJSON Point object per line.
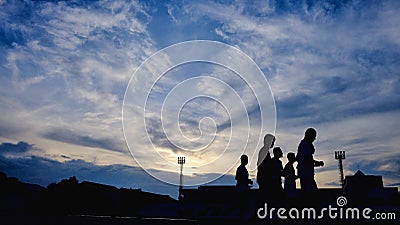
{"type": "Point", "coordinates": [65, 67]}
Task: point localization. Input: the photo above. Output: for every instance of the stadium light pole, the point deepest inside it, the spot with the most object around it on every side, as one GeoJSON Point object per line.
{"type": "Point", "coordinates": [181, 161]}
{"type": "Point", "coordinates": [340, 156]}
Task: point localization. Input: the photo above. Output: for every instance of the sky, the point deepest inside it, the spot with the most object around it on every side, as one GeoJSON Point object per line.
{"type": "Point", "coordinates": [68, 69]}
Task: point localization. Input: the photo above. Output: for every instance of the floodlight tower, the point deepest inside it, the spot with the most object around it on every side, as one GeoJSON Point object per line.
{"type": "Point", "coordinates": [181, 161]}
{"type": "Point", "coordinates": [340, 156]}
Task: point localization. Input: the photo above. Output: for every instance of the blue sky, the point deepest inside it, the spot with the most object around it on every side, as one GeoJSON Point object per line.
{"type": "Point", "coordinates": [65, 65]}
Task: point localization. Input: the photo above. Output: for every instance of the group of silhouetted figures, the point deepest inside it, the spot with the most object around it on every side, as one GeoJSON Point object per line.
{"type": "Point", "coordinates": [270, 170]}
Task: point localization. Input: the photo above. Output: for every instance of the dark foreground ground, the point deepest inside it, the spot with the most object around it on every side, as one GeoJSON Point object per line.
{"type": "Point", "coordinates": [87, 219]}
{"type": "Point", "coordinates": [115, 220]}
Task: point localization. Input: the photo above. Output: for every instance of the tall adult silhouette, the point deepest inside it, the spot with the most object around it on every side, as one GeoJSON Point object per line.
{"type": "Point", "coordinates": [263, 165]}
{"type": "Point", "coordinates": [306, 162]}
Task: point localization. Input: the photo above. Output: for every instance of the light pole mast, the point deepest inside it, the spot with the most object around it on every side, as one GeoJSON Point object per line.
{"type": "Point", "coordinates": [181, 161]}
{"type": "Point", "coordinates": [340, 156]}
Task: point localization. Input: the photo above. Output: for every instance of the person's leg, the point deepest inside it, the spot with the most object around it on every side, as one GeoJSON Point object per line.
{"type": "Point", "coordinates": [306, 193]}
{"type": "Point", "coordinates": [308, 190]}
{"type": "Point", "coordinates": [276, 192]}
{"type": "Point", "coordinates": [303, 184]}
{"type": "Point", "coordinates": [290, 191]}
{"type": "Point", "coordinates": [241, 201]}
{"type": "Point", "coordinates": [261, 195]}
{"type": "Point", "coordinates": [313, 185]}
{"type": "Point", "coordinates": [308, 184]}
{"type": "Point", "coordinates": [245, 205]}
{"type": "Point", "coordinates": [264, 193]}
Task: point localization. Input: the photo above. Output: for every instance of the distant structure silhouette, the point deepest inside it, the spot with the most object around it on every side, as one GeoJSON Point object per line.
{"type": "Point", "coordinates": [263, 166]}
{"type": "Point", "coordinates": [340, 156]}
{"type": "Point", "coordinates": [290, 177]}
{"type": "Point", "coordinates": [181, 162]}
{"type": "Point", "coordinates": [25, 203]}
{"type": "Point", "coordinates": [369, 189]}
{"type": "Point", "coordinates": [306, 162]}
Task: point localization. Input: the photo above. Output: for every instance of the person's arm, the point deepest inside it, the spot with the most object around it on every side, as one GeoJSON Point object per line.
{"type": "Point", "coordinates": [285, 172]}
{"type": "Point", "coordinates": [315, 162]}
{"type": "Point", "coordinates": [281, 168]}
{"type": "Point", "coordinates": [318, 163]}
{"type": "Point", "coordinates": [249, 181]}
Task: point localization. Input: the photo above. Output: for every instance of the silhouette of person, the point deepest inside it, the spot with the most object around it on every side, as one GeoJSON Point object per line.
{"type": "Point", "coordinates": [276, 174]}
{"type": "Point", "coordinates": [242, 175]}
{"type": "Point", "coordinates": [263, 163]}
{"type": "Point", "coordinates": [306, 162]}
{"type": "Point", "coordinates": [242, 184]}
{"type": "Point", "coordinates": [290, 176]}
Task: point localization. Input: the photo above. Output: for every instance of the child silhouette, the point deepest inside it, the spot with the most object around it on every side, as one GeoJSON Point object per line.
{"type": "Point", "coordinates": [242, 175]}
{"type": "Point", "coordinates": [290, 176]}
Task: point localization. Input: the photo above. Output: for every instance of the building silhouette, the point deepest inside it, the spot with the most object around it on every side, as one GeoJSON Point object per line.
{"type": "Point", "coordinates": [368, 189]}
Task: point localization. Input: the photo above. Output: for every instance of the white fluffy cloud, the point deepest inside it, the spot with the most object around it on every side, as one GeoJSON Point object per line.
{"type": "Point", "coordinates": [65, 68]}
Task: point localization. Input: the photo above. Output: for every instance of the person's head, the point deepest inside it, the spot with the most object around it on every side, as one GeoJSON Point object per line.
{"type": "Point", "coordinates": [277, 152]}
{"type": "Point", "coordinates": [310, 134]}
{"type": "Point", "coordinates": [291, 157]}
{"type": "Point", "coordinates": [269, 140]}
{"type": "Point", "coordinates": [244, 159]}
